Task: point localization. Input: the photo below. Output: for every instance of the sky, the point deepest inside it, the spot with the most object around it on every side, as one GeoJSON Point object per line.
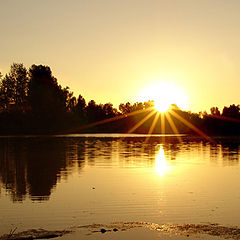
{"type": "Point", "coordinates": [111, 50]}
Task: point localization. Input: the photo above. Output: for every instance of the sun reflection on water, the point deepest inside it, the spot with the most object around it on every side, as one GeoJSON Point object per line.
{"type": "Point", "coordinates": [161, 165]}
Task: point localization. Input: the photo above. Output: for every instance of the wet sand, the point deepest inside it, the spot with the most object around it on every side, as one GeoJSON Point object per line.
{"type": "Point", "coordinates": [132, 230]}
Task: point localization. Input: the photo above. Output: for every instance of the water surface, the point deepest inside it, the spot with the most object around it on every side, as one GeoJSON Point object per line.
{"type": "Point", "coordinates": [55, 182]}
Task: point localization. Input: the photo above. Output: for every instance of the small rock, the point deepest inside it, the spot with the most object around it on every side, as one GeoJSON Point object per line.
{"type": "Point", "coordinates": [115, 229]}
{"type": "Point", "coordinates": [103, 230]}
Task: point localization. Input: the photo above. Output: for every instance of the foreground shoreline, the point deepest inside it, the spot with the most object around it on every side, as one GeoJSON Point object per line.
{"type": "Point", "coordinates": [174, 231]}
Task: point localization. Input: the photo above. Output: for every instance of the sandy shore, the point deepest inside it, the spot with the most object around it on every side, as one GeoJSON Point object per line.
{"type": "Point", "coordinates": [131, 230]}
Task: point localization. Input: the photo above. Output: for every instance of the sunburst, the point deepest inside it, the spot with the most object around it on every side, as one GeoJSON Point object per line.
{"type": "Point", "coordinates": [164, 117]}
{"type": "Point", "coordinates": [162, 109]}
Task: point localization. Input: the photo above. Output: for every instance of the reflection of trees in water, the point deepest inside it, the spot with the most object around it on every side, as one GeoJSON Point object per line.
{"type": "Point", "coordinates": [215, 152]}
{"type": "Point", "coordinates": [47, 160]}
{"type": "Point", "coordinates": [13, 168]}
{"type": "Point", "coordinates": [33, 166]}
{"type": "Point", "coordinates": [227, 150]}
{"type": "Point", "coordinates": [99, 150]}
{"type": "Point", "coordinates": [137, 151]}
{"type": "Point", "coordinates": [230, 151]}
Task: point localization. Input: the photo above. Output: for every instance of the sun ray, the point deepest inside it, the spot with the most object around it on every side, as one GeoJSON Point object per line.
{"type": "Point", "coordinates": [141, 122]}
{"type": "Point", "coordinates": [194, 128]}
{"type": "Point", "coordinates": [225, 118]}
{"type": "Point", "coordinates": [152, 126]}
{"type": "Point", "coordinates": [163, 117]}
{"type": "Point", "coordinates": [112, 119]}
{"type": "Point", "coordinates": [163, 125]}
{"type": "Point", "coordinates": [173, 126]}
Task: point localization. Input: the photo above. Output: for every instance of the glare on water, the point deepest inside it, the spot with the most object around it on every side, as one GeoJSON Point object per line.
{"type": "Point", "coordinates": [63, 181]}
{"type": "Point", "coordinates": [161, 166]}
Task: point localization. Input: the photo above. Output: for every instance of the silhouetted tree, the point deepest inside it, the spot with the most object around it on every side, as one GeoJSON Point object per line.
{"type": "Point", "coordinates": [45, 95]}
{"type": "Point", "coordinates": [231, 111]}
{"type": "Point", "coordinates": [215, 111]}
{"type": "Point", "coordinates": [80, 107]}
{"type": "Point", "coordinates": [94, 112]}
{"type": "Point", "coordinates": [109, 110]}
{"type": "Point", "coordinates": [14, 88]}
{"type": "Point", "coordinates": [125, 108]}
{"type": "Point", "coordinates": [20, 75]}
{"type": "Point", "coordinates": [129, 107]}
{"type": "Point", "coordinates": [148, 104]}
{"type": "Point", "coordinates": [33, 101]}
{"type": "Point", "coordinates": [70, 100]}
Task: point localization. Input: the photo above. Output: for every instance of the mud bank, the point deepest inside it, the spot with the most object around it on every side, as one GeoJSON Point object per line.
{"type": "Point", "coordinates": [186, 230]}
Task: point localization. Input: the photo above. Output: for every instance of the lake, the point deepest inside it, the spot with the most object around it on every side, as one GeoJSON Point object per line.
{"type": "Point", "coordinates": [70, 181]}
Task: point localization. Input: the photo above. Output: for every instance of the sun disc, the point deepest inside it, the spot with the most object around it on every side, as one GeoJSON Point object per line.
{"type": "Point", "coordinates": [164, 94]}
{"type": "Point", "coordinates": [161, 106]}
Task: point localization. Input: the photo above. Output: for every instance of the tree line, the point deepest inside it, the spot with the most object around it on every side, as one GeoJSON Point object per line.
{"type": "Point", "coordinates": [32, 101]}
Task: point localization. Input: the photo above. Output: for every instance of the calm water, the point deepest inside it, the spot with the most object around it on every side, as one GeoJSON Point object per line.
{"type": "Point", "coordinates": [63, 181]}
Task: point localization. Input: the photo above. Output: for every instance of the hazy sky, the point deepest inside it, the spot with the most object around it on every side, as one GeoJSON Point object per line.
{"type": "Point", "coordinates": [109, 50]}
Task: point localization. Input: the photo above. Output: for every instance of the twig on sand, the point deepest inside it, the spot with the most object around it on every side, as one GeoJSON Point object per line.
{"type": "Point", "coordinates": [33, 234]}
{"type": "Point", "coordinates": [12, 232]}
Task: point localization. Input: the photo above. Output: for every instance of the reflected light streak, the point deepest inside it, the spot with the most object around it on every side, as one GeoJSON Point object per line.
{"type": "Point", "coordinates": [166, 116]}
{"type": "Point", "coordinates": [113, 119]}
{"type": "Point", "coordinates": [163, 123]}
{"type": "Point", "coordinates": [173, 126]}
{"type": "Point", "coordinates": [141, 122]}
{"type": "Point", "coordinates": [152, 127]}
{"type": "Point", "coordinates": [194, 128]}
{"type": "Point", "coordinates": [225, 118]}
{"type": "Point", "coordinates": [161, 165]}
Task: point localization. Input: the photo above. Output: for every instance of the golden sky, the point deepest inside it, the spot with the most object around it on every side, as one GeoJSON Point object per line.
{"type": "Point", "coordinates": [110, 50]}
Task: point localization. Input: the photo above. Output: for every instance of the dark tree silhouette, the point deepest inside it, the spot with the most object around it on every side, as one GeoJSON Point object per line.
{"type": "Point", "coordinates": [14, 88]}
{"type": "Point", "coordinates": [45, 95]}
{"type": "Point", "coordinates": [109, 110]}
{"type": "Point", "coordinates": [80, 107]}
{"type": "Point", "coordinates": [215, 111]}
{"type": "Point", "coordinates": [231, 111]}
{"type": "Point", "coordinates": [128, 107]}
{"type": "Point", "coordinates": [125, 108]}
{"type": "Point", "coordinates": [94, 112]}
{"type": "Point", "coordinates": [32, 101]}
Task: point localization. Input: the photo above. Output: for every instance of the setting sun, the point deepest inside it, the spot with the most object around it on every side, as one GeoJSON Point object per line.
{"type": "Point", "coordinates": [161, 106]}
{"type": "Point", "coordinates": [164, 94]}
